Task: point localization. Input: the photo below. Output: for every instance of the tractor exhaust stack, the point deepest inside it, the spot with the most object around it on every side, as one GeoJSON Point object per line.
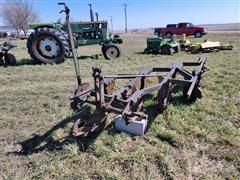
{"type": "Point", "coordinates": [91, 13]}
{"type": "Point", "coordinates": [97, 16]}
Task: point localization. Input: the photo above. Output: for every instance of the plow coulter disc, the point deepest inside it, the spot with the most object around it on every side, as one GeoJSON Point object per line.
{"type": "Point", "coordinates": [90, 127]}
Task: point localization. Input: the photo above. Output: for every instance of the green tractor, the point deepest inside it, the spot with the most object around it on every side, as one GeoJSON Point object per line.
{"type": "Point", "coordinates": [162, 46]}
{"type": "Point", "coordinates": [49, 43]}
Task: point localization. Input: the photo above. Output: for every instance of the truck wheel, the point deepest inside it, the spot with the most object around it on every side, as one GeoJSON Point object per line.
{"type": "Point", "coordinates": [198, 34]}
{"type": "Point", "coordinates": [111, 51]}
{"type": "Point", "coordinates": [168, 35]}
{"type": "Point", "coordinates": [10, 59]}
{"type": "Point", "coordinates": [47, 45]}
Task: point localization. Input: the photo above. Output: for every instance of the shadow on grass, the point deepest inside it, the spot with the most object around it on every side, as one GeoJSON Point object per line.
{"type": "Point", "coordinates": [26, 62]}
{"type": "Point", "coordinates": [33, 145]}
{"type": "Point", "coordinates": [178, 98]}
{"type": "Point", "coordinates": [93, 57]}
{"type": "Point", "coordinates": [139, 53]}
{"type": "Point", "coordinates": [153, 110]}
{"type": "Point", "coordinates": [46, 142]}
{"type": "Point", "coordinates": [22, 62]}
{"type": "Point", "coordinates": [152, 53]}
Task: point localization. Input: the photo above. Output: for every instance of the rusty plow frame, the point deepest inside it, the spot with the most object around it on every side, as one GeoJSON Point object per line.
{"type": "Point", "coordinates": [129, 100]}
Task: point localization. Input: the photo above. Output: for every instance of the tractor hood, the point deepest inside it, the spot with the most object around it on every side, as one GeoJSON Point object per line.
{"type": "Point", "coordinates": [39, 25]}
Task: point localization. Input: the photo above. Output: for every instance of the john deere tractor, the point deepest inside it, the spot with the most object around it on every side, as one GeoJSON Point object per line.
{"type": "Point", "coordinates": [49, 43]}
{"type": "Point", "coordinates": [162, 46]}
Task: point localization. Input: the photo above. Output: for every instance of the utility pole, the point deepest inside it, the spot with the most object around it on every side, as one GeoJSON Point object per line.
{"type": "Point", "coordinates": [111, 19]}
{"type": "Point", "coordinates": [125, 11]}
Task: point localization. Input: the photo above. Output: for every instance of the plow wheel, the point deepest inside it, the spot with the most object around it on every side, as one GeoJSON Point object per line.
{"type": "Point", "coordinates": [91, 126]}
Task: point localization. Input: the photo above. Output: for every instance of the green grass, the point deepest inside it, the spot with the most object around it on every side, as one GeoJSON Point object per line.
{"type": "Point", "coordinates": [200, 140]}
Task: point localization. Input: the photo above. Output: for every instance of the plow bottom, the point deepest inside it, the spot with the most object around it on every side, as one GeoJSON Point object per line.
{"type": "Point", "coordinates": [90, 126]}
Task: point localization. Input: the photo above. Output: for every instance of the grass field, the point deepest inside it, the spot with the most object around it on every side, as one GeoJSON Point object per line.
{"type": "Point", "coordinates": [190, 141]}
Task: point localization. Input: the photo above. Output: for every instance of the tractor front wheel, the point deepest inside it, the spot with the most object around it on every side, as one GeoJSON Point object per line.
{"type": "Point", "coordinates": [47, 45]}
{"type": "Point", "coordinates": [111, 51]}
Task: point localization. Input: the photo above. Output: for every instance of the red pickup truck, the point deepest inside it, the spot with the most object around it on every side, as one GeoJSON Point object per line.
{"type": "Point", "coordinates": [179, 29]}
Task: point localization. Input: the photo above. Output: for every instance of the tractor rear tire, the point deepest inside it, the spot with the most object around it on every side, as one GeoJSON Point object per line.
{"type": "Point", "coordinates": [10, 59]}
{"type": "Point", "coordinates": [111, 51]}
{"type": "Point", "coordinates": [47, 45]}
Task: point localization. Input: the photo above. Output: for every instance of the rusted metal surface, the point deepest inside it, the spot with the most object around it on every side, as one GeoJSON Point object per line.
{"type": "Point", "coordinates": [90, 126]}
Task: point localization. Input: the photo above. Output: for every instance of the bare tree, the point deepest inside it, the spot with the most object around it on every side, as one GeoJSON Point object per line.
{"type": "Point", "coordinates": [18, 13]}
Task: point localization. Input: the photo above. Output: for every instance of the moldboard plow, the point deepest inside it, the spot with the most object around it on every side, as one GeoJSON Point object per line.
{"type": "Point", "coordinates": [128, 101]}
